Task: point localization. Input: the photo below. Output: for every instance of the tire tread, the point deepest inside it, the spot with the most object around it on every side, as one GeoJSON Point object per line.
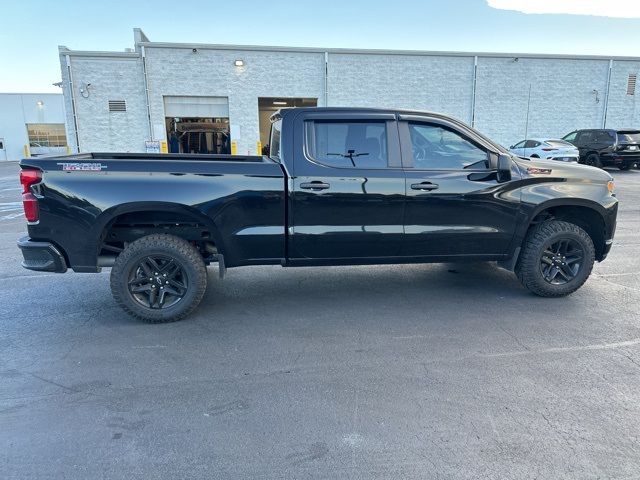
{"type": "Point", "coordinates": [158, 242]}
{"type": "Point", "coordinates": [527, 268]}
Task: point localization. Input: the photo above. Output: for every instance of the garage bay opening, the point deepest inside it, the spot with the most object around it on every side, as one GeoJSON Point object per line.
{"type": "Point", "coordinates": [197, 125]}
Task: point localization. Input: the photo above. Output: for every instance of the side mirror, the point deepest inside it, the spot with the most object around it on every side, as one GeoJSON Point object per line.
{"type": "Point", "coordinates": [504, 168]}
{"type": "Point", "coordinates": [511, 147]}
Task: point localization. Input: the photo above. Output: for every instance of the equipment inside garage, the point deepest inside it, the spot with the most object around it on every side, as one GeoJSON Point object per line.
{"type": "Point", "coordinates": [197, 124]}
{"type": "Point", "coordinates": [268, 105]}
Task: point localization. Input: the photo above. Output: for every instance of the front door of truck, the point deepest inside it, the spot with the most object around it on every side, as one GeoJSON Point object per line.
{"type": "Point", "coordinates": [455, 205]}
{"type": "Point", "coordinates": [348, 190]}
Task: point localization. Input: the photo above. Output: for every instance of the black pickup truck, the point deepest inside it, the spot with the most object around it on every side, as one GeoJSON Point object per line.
{"type": "Point", "coordinates": [340, 187]}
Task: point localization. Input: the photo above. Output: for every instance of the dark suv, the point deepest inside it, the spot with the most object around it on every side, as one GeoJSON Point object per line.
{"type": "Point", "coordinates": [607, 147]}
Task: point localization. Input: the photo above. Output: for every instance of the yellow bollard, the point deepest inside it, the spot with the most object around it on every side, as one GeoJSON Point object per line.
{"type": "Point", "coordinates": [259, 148]}
{"type": "Point", "coordinates": [27, 152]}
{"type": "Point", "coordinates": [234, 147]}
{"type": "Point", "coordinates": [163, 147]}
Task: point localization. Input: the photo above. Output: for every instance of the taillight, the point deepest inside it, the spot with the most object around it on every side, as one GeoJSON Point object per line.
{"type": "Point", "coordinates": [29, 177]}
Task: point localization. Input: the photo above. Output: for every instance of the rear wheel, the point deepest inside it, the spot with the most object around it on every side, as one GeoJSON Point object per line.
{"type": "Point", "coordinates": [556, 259]}
{"type": "Point", "coordinates": [159, 278]}
{"type": "Point", "coordinates": [593, 160]}
{"type": "Point", "coordinates": [624, 166]}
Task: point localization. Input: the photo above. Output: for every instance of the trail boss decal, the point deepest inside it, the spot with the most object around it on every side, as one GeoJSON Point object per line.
{"type": "Point", "coordinates": [85, 167]}
{"type": "Point", "coordinates": [539, 171]}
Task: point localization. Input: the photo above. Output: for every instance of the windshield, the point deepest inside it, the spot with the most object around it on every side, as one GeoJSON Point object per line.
{"type": "Point", "coordinates": [629, 137]}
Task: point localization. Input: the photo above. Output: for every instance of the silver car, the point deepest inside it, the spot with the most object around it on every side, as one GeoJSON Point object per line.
{"type": "Point", "coordinates": [546, 148]}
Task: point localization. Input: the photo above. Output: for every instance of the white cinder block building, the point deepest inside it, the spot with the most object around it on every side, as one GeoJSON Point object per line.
{"type": "Point", "coordinates": [31, 124]}
{"type": "Point", "coordinates": [218, 98]}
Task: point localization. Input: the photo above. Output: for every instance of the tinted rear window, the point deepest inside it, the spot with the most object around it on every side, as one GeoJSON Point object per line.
{"type": "Point", "coordinates": [558, 143]}
{"type": "Point", "coordinates": [274, 142]}
{"type": "Point", "coordinates": [629, 137]}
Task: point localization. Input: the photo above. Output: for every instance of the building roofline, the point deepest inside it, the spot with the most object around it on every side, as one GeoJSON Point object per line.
{"type": "Point", "coordinates": [358, 51]}
{"type": "Point", "coordinates": [62, 50]}
{"type": "Point", "coordinates": [30, 93]}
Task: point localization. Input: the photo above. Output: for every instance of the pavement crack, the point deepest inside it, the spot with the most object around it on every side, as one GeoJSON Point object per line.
{"type": "Point", "coordinates": [514, 337]}
{"type": "Point", "coordinates": [64, 387]}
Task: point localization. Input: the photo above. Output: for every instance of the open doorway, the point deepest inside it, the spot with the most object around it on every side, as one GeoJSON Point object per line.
{"type": "Point", "coordinates": [198, 135]}
{"type": "Point", "coordinates": [268, 105]}
{"type": "Point", "coordinates": [197, 124]}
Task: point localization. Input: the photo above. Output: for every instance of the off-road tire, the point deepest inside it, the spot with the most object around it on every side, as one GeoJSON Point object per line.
{"type": "Point", "coordinates": [540, 237]}
{"type": "Point", "coordinates": [182, 253]}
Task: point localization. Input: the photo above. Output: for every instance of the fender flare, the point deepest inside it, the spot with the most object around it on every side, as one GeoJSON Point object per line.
{"type": "Point", "coordinates": [107, 216]}
{"type": "Point", "coordinates": [557, 202]}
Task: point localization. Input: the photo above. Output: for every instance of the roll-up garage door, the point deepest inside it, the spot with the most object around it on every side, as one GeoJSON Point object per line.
{"type": "Point", "coordinates": [204, 107]}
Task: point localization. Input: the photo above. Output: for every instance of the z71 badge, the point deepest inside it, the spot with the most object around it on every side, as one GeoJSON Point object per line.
{"type": "Point", "coordinates": [85, 167]}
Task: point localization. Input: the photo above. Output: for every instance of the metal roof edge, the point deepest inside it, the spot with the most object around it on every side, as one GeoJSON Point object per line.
{"type": "Point", "coordinates": [356, 51]}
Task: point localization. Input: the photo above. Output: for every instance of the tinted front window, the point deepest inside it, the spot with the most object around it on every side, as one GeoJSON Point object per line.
{"type": "Point", "coordinates": [629, 137]}
{"type": "Point", "coordinates": [437, 147]}
{"type": "Point", "coordinates": [350, 144]}
{"type": "Point", "coordinates": [519, 145]}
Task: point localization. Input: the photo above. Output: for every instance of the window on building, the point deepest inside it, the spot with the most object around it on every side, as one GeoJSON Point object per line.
{"type": "Point", "coordinates": [349, 144]}
{"type": "Point", "coordinates": [438, 147]}
{"type": "Point", "coordinates": [46, 135]}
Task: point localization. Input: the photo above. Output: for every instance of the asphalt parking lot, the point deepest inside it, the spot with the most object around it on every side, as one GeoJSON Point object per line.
{"type": "Point", "coordinates": [427, 371]}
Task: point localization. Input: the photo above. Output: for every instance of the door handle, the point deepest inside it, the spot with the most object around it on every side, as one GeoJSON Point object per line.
{"type": "Point", "coordinates": [315, 185]}
{"type": "Point", "coordinates": [424, 186]}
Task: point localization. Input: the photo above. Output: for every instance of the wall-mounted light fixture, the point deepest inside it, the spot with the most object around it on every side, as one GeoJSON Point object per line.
{"type": "Point", "coordinates": [40, 103]}
{"type": "Point", "coordinates": [239, 63]}
{"type": "Point", "coordinates": [84, 91]}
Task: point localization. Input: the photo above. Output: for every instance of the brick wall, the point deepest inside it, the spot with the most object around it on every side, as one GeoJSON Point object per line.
{"type": "Point", "coordinates": [563, 90]}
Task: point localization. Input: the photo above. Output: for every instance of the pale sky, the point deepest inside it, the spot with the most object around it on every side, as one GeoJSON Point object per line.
{"type": "Point", "coordinates": [32, 29]}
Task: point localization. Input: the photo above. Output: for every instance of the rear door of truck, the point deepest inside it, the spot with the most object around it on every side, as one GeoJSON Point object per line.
{"type": "Point", "coordinates": [348, 188]}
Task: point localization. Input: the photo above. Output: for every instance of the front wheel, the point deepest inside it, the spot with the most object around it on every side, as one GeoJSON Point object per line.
{"type": "Point", "coordinates": [556, 259]}
{"type": "Point", "coordinates": [159, 278]}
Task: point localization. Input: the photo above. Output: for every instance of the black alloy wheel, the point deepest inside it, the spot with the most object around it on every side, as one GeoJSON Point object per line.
{"type": "Point", "coordinates": [561, 261]}
{"type": "Point", "coordinates": [157, 282]}
{"type": "Point", "coordinates": [159, 278]}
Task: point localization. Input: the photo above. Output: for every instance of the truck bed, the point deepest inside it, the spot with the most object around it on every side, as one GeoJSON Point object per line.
{"type": "Point", "coordinates": [162, 157]}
